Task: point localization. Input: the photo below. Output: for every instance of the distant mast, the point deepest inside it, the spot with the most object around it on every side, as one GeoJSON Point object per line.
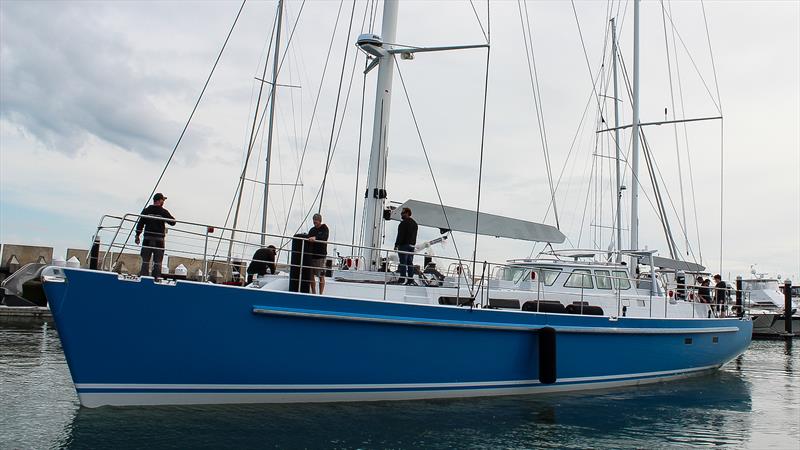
{"type": "Point", "coordinates": [616, 140]}
{"type": "Point", "coordinates": [376, 178]}
{"type": "Point", "coordinates": [635, 150]}
{"type": "Point", "coordinates": [271, 121]}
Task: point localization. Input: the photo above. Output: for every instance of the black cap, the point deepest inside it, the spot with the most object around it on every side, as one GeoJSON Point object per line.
{"type": "Point", "coordinates": [159, 196]}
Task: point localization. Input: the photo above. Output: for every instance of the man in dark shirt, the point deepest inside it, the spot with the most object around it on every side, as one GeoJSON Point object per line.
{"type": "Point", "coordinates": [318, 249]}
{"type": "Point", "coordinates": [704, 292]}
{"type": "Point", "coordinates": [153, 223]}
{"type": "Point", "coordinates": [720, 294]}
{"type": "Point", "coordinates": [263, 261]}
{"type": "Point", "coordinates": [406, 239]}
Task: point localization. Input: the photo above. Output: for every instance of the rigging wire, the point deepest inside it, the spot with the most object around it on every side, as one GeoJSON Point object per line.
{"type": "Point", "coordinates": [533, 76]}
{"type": "Point", "coordinates": [197, 103]}
{"type": "Point", "coordinates": [191, 115]}
{"type": "Point", "coordinates": [717, 102]}
{"type": "Point", "coordinates": [675, 125]}
{"type": "Point", "coordinates": [266, 50]}
{"type": "Point", "coordinates": [721, 141]}
{"type": "Point", "coordinates": [335, 145]}
{"type": "Point", "coordinates": [686, 145]}
{"type": "Point", "coordinates": [338, 133]}
{"type": "Point", "coordinates": [252, 139]}
{"type": "Point", "coordinates": [313, 116]}
{"type": "Point", "coordinates": [263, 113]}
{"type": "Point", "coordinates": [629, 91]}
{"type": "Point", "coordinates": [586, 56]}
{"type": "Point", "coordinates": [480, 24]}
{"type": "Point", "coordinates": [427, 159]}
{"type": "Point", "coordinates": [661, 211]}
{"type": "Point", "coordinates": [360, 135]}
{"type": "Point", "coordinates": [483, 133]}
{"type": "Point", "coordinates": [336, 107]}
{"type": "Point", "coordinates": [592, 96]}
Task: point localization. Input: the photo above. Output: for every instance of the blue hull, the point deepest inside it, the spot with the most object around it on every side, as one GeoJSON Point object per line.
{"type": "Point", "coordinates": [132, 342]}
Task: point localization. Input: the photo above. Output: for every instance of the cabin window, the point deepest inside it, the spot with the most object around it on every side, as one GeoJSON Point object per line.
{"type": "Point", "coordinates": [548, 276]}
{"type": "Point", "coordinates": [621, 280]}
{"type": "Point", "coordinates": [603, 278]}
{"type": "Point", "coordinates": [579, 278]}
{"type": "Point", "coordinates": [514, 273]}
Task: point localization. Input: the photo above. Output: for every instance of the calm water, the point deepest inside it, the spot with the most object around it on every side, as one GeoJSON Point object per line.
{"type": "Point", "coordinates": [753, 402]}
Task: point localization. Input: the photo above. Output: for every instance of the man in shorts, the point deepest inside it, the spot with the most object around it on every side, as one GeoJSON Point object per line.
{"type": "Point", "coordinates": [317, 241]}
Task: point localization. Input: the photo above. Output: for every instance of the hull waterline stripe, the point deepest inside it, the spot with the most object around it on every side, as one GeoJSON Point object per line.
{"type": "Point", "coordinates": [95, 399]}
{"type": "Point", "coordinates": [89, 387]}
{"type": "Point", "coordinates": [358, 317]}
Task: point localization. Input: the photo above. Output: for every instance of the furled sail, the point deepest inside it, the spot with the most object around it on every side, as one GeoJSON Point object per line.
{"type": "Point", "coordinates": [458, 219]}
{"type": "Point", "coordinates": [668, 263]}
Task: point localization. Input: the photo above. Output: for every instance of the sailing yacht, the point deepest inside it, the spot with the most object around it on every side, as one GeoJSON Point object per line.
{"type": "Point", "coordinates": [472, 329]}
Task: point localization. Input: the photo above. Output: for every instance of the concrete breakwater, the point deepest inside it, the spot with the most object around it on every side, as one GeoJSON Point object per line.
{"type": "Point", "coordinates": [15, 256]}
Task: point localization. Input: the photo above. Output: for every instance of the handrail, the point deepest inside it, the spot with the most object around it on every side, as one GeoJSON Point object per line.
{"type": "Point", "coordinates": [518, 272]}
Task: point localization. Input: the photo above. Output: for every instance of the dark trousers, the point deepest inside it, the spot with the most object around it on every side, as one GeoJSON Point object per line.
{"type": "Point", "coordinates": [152, 249]}
{"type": "Point", "coordinates": [406, 262]}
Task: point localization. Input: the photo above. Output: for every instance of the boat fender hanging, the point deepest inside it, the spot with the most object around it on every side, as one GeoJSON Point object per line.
{"type": "Point", "coordinates": [547, 355]}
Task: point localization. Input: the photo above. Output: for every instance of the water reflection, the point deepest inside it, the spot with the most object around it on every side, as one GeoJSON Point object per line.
{"type": "Point", "coordinates": [703, 411]}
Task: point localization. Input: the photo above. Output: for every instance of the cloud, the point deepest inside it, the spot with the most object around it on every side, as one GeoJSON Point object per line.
{"type": "Point", "coordinates": [61, 94]}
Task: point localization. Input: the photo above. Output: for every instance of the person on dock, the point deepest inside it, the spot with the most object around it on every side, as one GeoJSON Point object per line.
{"type": "Point", "coordinates": [405, 242]}
{"type": "Point", "coordinates": [317, 240]}
{"type": "Point", "coordinates": [263, 261]}
{"type": "Point", "coordinates": [153, 222]}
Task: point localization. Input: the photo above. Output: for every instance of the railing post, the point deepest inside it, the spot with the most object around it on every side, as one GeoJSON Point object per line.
{"type": "Point", "coordinates": [385, 273]}
{"type": "Point", "coordinates": [94, 253]}
{"type": "Point", "coordinates": [205, 257]}
{"type": "Point", "coordinates": [739, 302]}
{"type": "Point", "coordinates": [787, 305]}
{"type": "Point", "coordinates": [488, 282]}
{"type": "Point", "coordinates": [538, 289]}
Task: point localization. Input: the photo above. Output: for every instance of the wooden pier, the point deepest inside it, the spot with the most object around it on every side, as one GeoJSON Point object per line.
{"type": "Point", "coordinates": [22, 315]}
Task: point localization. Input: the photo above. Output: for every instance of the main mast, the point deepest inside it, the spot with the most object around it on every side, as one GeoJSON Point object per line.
{"type": "Point", "coordinates": [635, 151]}
{"type": "Point", "coordinates": [376, 178]}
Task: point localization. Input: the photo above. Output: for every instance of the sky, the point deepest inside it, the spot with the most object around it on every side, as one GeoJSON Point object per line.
{"type": "Point", "coordinates": [95, 95]}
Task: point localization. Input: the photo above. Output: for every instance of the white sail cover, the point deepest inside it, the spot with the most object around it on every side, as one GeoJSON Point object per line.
{"type": "Point", "coordinates": [668, 263]}
{"type": "Point", "coordinates": [458, 219]}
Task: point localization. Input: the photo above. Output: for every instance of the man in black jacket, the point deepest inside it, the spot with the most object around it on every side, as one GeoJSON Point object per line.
{"type": "Point", "coordinates": [406, 239]}
{"type": "Point", "coordinates": [263, 261]}
{"type": "Point", "coordinates": [153, 223]}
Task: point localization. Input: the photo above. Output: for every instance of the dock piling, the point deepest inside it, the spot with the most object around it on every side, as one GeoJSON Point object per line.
{"type": "Point", "coordinates": [739, 303]}
{"type": "Point", "coordinates": [787, 305]}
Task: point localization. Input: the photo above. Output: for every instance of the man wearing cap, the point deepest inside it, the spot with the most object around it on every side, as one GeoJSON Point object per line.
{"type": "Point", "coordinates": [153, 222]}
